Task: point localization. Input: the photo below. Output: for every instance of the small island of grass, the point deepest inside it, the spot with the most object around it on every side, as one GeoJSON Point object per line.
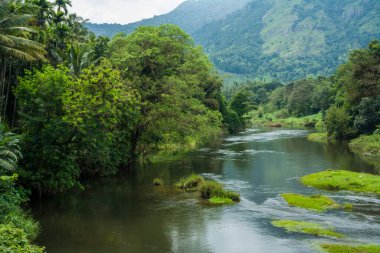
{"type": "Point", "coordinates": [336, 180]}
{"type": "Point", "coordinates": [318, 137]}
{"type": "Point", "coordinates": [340, 248]}
{"type": "Point", "coordinates": [306, 228]}
{"type": "Point", "coordinates": [208, 190]}
{"type": "Point", "coordinates": [318, 203]}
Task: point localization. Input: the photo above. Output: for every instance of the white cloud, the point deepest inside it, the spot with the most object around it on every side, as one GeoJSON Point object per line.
{"type": "Point", "coordinates": [122, 11]}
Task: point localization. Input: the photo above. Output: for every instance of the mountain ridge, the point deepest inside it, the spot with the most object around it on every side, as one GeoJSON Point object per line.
{"type": "Point", "coordinates": [275, 39]}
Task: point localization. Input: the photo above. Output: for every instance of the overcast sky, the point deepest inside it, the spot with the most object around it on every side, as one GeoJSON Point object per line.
{"type": "Point", "coordinates": [122, 11]}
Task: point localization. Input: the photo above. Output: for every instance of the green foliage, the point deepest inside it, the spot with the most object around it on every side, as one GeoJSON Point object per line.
{"type": "Point", "coordinates": [344, 248]}
{"type": "Point", "coordinates": [214, 190]}
{"type": "Point", "coordinates": [368, 115]}
{"type": "Point", "coordinates": [103, 110]}
{"type": "Point", "coordinates": [158, 182]}
{"type": "Point", "coordinates": [191, 182]}
{"type": "Point", "coordinates": [338, 123]}
{"type": "Point", "coordinates": [9, 151]}
{"type": "Point", "coordinates": [14, 240]}
{"type": "Point", "coordinates": [318, 203]}
{"type": "Point", "coordinates": [176, 83]}
{"type": "Point", "coordinates": [220, 200]}
{"type": "Point", "coordinates": [318, 137]}
{"type": "Point", "coordinates": [368, 146]}
{"type": "Point", "coordinates": [49, 144]}
{"type": "Point", "coordinates": [306, 228]}
{"type": "Point", "coordinates": [340, 180]}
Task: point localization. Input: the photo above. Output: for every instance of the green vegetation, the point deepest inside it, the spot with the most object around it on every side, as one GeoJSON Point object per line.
{"type": "Point", "coordinates": [339, 248]}
{"type": "Point", "coordinates": [220, 201]}
{"type": "Point", "coordinates": [311, 38]}
{"type": "Point", "coordinates": [306, 228]}
{"type": "Point", "coordinates": [158, 181]}
{"type": "Point", "coordinates": [192, 182]}
{"type": "Point", "coordinates": [318, 137]}
{"type": "Point", "coordinates": [318, 203]}
{"type": "Point", "coordinates": [211, 189]}
{"type": "Point", "coordinates": [368, 146]}
{"type": "Point", "coordinates": [338, 180]}
{"type": "Point", "coordinates": [208, 189]}
{"type": "Point", "coordinates": [15, 240]}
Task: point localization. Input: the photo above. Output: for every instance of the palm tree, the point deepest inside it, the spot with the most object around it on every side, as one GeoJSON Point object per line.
{"type": "Point", "coordinates": [9, 150]}
{"type": "Point", "coordinates": [14, 33]}
{"type": "Point", "coordinates": [63, 4]}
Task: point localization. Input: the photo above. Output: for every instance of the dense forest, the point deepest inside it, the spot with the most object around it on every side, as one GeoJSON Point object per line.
{"type": "Point", "coordinates": [282, 40]}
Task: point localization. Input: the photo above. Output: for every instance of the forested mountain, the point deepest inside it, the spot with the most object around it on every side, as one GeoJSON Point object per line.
{"type": "Point", "coordinates": [274, 39]}
{"type": "Point", "coordinates": [191, 16]}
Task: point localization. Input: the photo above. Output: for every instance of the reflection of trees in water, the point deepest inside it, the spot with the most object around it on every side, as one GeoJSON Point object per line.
{"type": "Point", "coordinates": [338, 153]}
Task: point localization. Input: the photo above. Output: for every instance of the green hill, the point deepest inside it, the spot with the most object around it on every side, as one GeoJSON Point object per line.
{"type": "Point", "coordinates": [273, 39]}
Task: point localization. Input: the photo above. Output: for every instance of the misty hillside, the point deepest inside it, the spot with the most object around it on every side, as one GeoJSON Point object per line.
{"type": "Point", "coordinates": [191, 16]}
{"type": "Point", "coordinates": [273, 39]}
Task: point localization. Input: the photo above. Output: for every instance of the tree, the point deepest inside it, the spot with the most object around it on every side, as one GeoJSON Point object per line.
{"type": "Point", "coordinates": [339, 123]}
{"type": "Point", "coordinates": [173, 77]}
{"type": "Point", "coordinates": [103, 110]}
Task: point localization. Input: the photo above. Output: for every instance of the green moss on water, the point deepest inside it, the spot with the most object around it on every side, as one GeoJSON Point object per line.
{"type": "Point", "coordinates": [306, 228]}
{"type": "Point", "coordinates": [318, 137]}
{"type": "Point", "coordinates": [336, 180]}
{"type": "Point", "coordinates": [191, 182]}
{"type": "Point", "coordinates": [340, 248]}
{"type": "Point", "coordinates": [318, 203]}
{"type": "Point", "coordinates": [220, 201]}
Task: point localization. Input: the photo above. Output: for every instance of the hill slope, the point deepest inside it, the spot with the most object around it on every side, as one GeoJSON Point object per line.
{"type": "Point", "coordinates": [274, 39]}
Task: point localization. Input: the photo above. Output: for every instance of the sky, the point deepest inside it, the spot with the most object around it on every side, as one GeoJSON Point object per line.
{"type": "Point", "coordinates": [122, 11]}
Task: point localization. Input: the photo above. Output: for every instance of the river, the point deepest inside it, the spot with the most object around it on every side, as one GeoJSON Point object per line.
{"type": "Point", "coordinates": [128, 214]}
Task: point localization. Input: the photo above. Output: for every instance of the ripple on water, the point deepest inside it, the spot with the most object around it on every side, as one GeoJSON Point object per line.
{"type": "Point", "coordinates": [268, 136]}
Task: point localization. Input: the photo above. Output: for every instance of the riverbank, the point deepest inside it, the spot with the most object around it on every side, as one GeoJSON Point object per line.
{"type": "Point", "coordinates": [279, 119]}
{"type": "Point", "coordinates": [368, 147]}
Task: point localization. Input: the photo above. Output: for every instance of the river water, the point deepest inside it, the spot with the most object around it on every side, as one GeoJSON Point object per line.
{"type": "Point", "coordinates": [128, 214]}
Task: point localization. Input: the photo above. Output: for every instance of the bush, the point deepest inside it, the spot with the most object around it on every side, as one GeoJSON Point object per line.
{"type": "Point", "coordinates": [190, 183]}
{"type": "Point", "coordinates": [368, 115]}
{"type": "Point", "coordinates": [14, 240]}
{"type": "Point", "coordinates": [211, 189]}
{"type": "Point", "coordinates": [338, 123]}
{"type": "Point", "coordinates": [158, 182]}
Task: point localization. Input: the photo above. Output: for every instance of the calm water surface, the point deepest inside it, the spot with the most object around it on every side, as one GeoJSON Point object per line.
{"type": "Point", "coordinates": [127, 214]}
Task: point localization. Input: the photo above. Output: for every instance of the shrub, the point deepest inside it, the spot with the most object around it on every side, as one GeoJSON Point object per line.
{"type": "Point", "coordinates": [338, 123]}
{"type": "Point", "coordinates": [158, 181]}
{"type": "Point", "coordinates": [190, 183]}
{"type": "Point", "coordinates": [14, 240]}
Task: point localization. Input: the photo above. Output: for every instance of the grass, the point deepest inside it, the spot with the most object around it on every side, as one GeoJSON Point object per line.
{"type": "Point", "coordinates": [340, 248]}
{"type": "Point", "coordinates": [158, 182]}
{"type": "Point", "coordinates": [336, 180]}
{"type": "Point", "coordinates": [191, 182]}
{"type": "Point", "coordinates": [318, 203]}
{"type": "Point", "coordinates": [306, 228]}
{"type": "Point", "coordinates": [212, 189]}
{"type": "Point", "coordinates": [220, 201]}
{"type": "Point", "coordinates": [279, 118]}
{"type": "Point", "coordinates": [318, 137]}
{"type": "Point", "coordinates": [208, 189]}
{"type": "Point", "coordinates": [368, 147]}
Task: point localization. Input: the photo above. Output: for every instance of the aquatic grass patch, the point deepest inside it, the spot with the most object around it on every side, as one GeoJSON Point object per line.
{"type": "Point", "coordinates": [191, 182]}
{"type": "Point", "coordinates": [306, 228]}
{"type": "Point", "coordinates": [367, 145]}
{"type": "Point", "coordinates": [208, 189]}
{"type": "Point", "coordinates": [318, 137]}
{"type": "Point", "coordinates": [158, 181]}
{"type": "Point", "coordinates": [337, 180]}
{"type": "Point", "coordinates": [342, 248]}
{"type": "Point", "coordinates": [318, 203]}
{"type": "Point", "coordinates": [220, 201]}
{"type": "Point", "coordinates": [211, 189]}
